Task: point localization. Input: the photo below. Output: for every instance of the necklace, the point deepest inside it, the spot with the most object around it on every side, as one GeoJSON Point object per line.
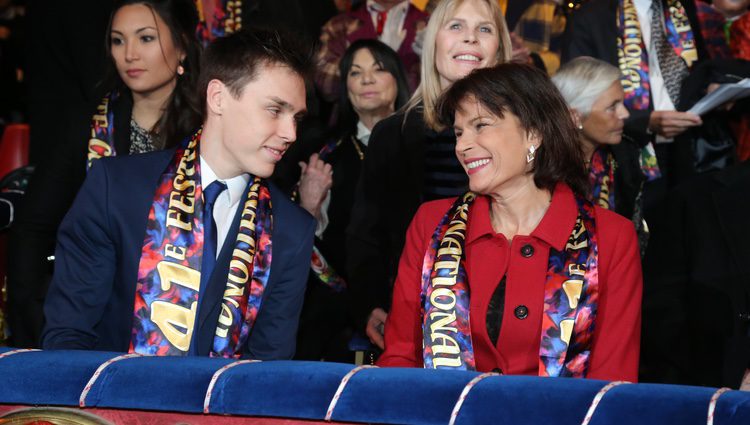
{"type": "Point", "coordinates": [359, 149]}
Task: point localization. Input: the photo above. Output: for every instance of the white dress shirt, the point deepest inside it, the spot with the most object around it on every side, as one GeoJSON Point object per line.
{"type": "Point", "coordinates": [227, 203]}
{"type": "Point", "coordinates": [660, 100]}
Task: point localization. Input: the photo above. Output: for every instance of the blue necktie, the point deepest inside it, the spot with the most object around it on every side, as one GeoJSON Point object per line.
{"type": "Point", "coordinates": [210, 194]}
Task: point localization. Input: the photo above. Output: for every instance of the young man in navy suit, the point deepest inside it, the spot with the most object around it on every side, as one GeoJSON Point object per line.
{"type": "Point", "coordinates": [191, 251]}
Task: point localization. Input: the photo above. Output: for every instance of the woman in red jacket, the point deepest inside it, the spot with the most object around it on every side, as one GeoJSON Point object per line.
{"type": "Point", "coordinates": [520, 275]}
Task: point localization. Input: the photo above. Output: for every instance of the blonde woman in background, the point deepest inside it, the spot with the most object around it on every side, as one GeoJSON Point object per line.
{"type": "Point", "coordinates": [410, 157]}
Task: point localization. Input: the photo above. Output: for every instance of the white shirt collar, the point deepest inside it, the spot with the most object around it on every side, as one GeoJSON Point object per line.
{"type": "Point", "coordinates": [363, 133]}
{"type": "Point", "coordinates": [236, 185]}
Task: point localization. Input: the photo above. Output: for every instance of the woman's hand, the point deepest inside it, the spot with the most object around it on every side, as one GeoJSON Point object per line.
{"type": "Point", "coordinates": [314, 183]}
{"type": "Point", "coordinates": [375, 327]}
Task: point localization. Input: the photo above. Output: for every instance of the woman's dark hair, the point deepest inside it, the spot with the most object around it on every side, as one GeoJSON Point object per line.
{"type": "Point", "coordinates": [527, 93]}
{"type": "Point", "coordinates": [346, 121]}
{"type": "Point", "coordinates": [183, 112]}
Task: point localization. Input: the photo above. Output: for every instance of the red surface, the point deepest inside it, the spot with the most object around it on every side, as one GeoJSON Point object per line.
{"type": "Point", "coordinates": [14, 148]}
{"type": "Point", "coordinates": [141, 417]}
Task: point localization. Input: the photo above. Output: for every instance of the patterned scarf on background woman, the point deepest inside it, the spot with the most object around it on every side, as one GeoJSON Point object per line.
{"type": "Point", "coordinates": [602, 178]}
{"type": "Point", "coordinates": [570, 297]}
{"type": "Point", "coordinates": [167, 292]}
{"type": "Point", "coordinates": [102, 142]}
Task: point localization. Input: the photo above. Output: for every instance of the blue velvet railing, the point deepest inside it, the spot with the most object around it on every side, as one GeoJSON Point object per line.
{"type": "Point", "coordinates": [303, 390]}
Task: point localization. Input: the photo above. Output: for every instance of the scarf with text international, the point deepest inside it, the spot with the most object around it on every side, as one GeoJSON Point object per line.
{"type": "Point", "coordinates": [167, 291]}
{"type": "Point", "coordinates": [102, 141]}
{"type": "Point", "coordinates": [633, 60]}
{"type": "Point", "coordinates": [570, 297]}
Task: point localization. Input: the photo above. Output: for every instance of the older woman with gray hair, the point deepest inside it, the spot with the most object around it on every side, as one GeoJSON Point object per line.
{"type": "Point", "coordinates": [595, 97]}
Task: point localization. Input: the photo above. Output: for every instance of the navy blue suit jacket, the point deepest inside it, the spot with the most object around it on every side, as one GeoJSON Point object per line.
{"type": "Point", "coordinates": [90, 300]}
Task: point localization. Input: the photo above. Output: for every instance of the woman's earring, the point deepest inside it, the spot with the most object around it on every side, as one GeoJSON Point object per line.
{"type": "Point", "coordinates": [580, 127]}
{"type": "Point", "coordinates": [180, 69]}
{"type": "Point", "coordinates": [531, 154]}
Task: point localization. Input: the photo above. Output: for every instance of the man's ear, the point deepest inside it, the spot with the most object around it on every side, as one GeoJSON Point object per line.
{"type": "Point", "coordinates": [215, 93]}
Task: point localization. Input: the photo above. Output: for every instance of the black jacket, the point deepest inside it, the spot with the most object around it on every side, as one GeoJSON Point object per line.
{"type": "Point", "coordinates": [696, 301]}
{"type": "Point", "coordinates": [389, 192]}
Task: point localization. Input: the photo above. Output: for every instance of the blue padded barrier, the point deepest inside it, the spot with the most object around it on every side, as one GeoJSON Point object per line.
{"type": "Point", "coordinates": [304, 390]}
{"type": "Point", "coordinates": [155, 383]}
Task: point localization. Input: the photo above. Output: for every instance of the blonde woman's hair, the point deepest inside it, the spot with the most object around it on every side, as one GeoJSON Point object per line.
{"type": "Point", "coordinates": [429, 89]}
{"type": "Point", "coordinates": [582, 80]}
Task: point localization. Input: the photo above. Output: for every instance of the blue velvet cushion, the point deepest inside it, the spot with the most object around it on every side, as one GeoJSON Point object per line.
{"type": "Point", "coordinates": [278, 388]}
{"type": "Point", "coordinates": [304, 390]}
{"type": "Point", "coordinates": [51, 378]}
{"type": "Point", "coordinates": [176, 384]}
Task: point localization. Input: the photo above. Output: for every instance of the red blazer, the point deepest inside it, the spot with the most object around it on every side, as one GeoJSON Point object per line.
{"type": "Point", "coordinates": [490, 257]}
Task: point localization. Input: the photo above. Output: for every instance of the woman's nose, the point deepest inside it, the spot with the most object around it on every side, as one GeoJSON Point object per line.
{"type": "Point", "coordinates": [470, 37]}
{"type": "Point", "coordinates": [368, 78]}
{"type": "Point", "coordinates": [131, 51]}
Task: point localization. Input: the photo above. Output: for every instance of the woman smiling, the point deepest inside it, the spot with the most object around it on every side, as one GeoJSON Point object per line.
{"type": "Point", "coordinates": [522, 274]}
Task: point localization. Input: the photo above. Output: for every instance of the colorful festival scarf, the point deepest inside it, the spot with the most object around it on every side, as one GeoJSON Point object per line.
{"type": "Point", "coordinates": [602, 178]}
{"type": "Point", "coordinates": [167, 292]}
{"type": "Point", "coordinates": [224, 17]}
{"type": "Point", "coordinates": [570, 297]}
{"type": "Point", "coordinates": [102, 142]}
{"type": "Point", "coordinates": [633, 61]}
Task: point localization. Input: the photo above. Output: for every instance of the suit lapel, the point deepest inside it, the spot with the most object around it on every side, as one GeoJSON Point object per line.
{"type": "Point", "coordinates": [609, 31]}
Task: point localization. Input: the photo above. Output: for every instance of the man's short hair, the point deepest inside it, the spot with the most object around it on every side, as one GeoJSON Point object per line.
{"type": "Point", "coordinates": [236, 59]}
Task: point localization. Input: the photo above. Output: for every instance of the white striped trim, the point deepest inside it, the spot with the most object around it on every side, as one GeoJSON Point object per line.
{"type": "Point", "coordinates": [18, 351]}
{"type": "Point", "coordinates": [99, 370]}
{"type": "Point", "coordinates": [598, 398]}
{"type": "Point", "coordinates": [215, 377]}
{"type": "Point", "coordinates": [465, 393]}
{"type": "Point", "coordinates": [713, 403]}
{"type": "Point", "coordinates": [340, 390]}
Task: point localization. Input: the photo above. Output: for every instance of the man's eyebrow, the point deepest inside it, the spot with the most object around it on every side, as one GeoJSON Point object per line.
{"type": "Point", "coordinates": [283, 104]}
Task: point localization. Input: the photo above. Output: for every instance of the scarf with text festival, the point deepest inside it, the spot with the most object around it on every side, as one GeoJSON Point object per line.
{"type": "Point", "coordinates": [602, 178]}
{"type": "Point", "coordinates": [102, 141]}
{"type": "Point", "coordinates": [633, 61]}
{"type": "Point", "coordinates": [217, 18]}
{"type": "Point", "coordinates": [167, 292]}
{"type": "Point", "coordinates": [570, 297]}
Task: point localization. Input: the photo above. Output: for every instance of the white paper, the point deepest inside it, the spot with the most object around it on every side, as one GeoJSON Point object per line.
{"type": "Point", "coordinates": [725, 93]}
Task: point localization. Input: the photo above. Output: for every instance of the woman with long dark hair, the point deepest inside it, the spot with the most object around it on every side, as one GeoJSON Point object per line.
{"type": "Point", "coordinates": [151, 103]}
